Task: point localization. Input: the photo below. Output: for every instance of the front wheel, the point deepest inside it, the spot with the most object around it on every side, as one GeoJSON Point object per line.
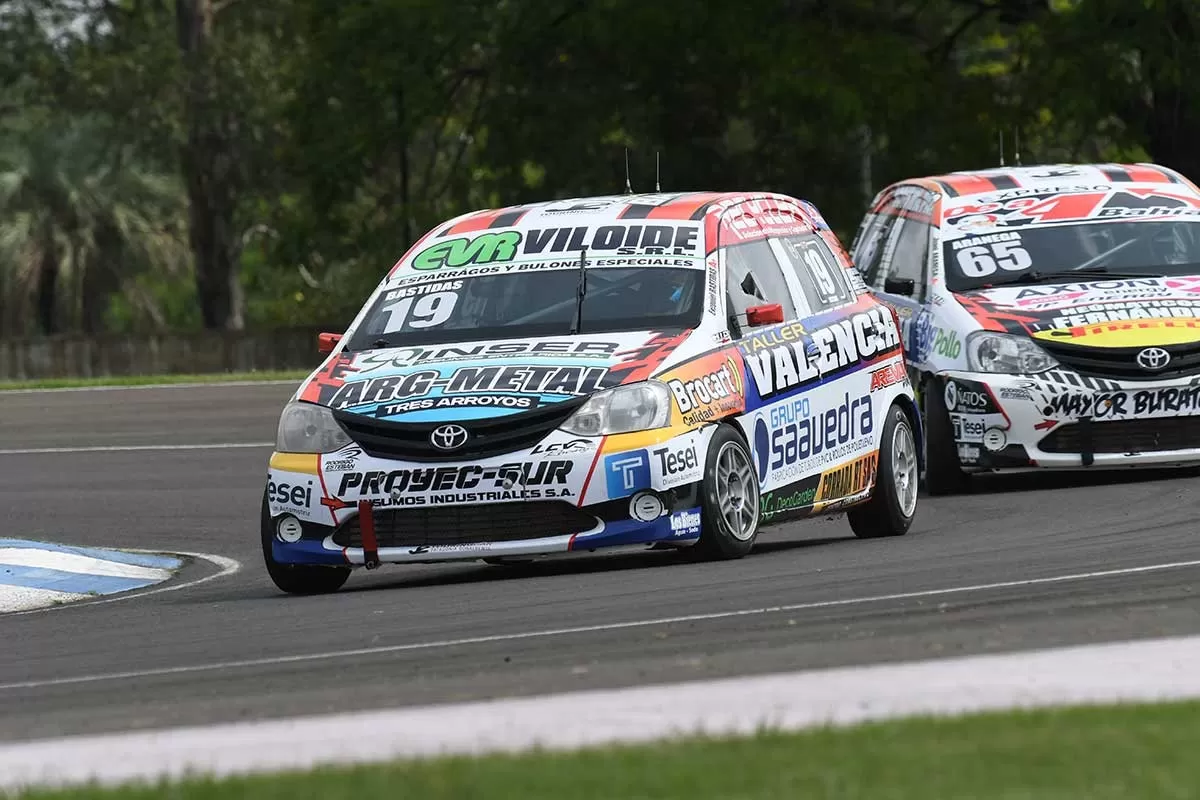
{"type": "Point", "coordinates": [298, 578]}
{"type": "Point", "coordinates": [943, 471]}
{"type": "Point", "coordinates": [729, 498]}
{"type": "Point", "coordinates": [893, 504]}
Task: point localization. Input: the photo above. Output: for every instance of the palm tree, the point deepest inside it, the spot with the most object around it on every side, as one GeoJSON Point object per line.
{"type": "Point", "coordinates": [79, 219]}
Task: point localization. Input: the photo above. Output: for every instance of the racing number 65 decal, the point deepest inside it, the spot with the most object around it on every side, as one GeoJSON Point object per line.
{"type": "Point", "coordinates": [981, 260]}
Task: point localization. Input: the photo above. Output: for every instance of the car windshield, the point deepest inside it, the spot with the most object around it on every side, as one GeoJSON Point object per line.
{"type": "Point", "coordinates": [532, 303]}
{"type": "Point", "coordinates": [995, 256]}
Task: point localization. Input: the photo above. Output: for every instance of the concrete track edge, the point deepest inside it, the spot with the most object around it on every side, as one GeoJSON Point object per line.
{"type": "Point", "coordinates": [1150, 670]}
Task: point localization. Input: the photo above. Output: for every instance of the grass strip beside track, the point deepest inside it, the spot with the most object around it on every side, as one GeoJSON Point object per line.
{"type": "Point", "coordinates": [154, 380]}
{"type": "Point", "coordinates": [1130, 751]}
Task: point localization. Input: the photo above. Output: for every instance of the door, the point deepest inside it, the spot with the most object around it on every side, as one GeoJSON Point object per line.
{"type": "Point", "coordinates": [898, 267]}
{"type": "Point", "coordinates": [812, 430]}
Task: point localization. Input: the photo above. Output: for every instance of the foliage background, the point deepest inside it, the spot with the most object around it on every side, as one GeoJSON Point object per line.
{"type": "Point", "coordinates": [177, 164]}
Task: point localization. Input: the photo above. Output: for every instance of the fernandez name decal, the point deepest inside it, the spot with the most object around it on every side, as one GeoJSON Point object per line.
{"type": "Point", "coordinates": [570, 381]}
{"type": "Point", "coordinates": [862, 338]}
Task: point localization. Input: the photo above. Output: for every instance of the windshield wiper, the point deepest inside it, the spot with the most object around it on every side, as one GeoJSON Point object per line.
{"type": "Point", "coordinates": [581, 293]}
{"type": "Point", "coordinates": [1112, 273]}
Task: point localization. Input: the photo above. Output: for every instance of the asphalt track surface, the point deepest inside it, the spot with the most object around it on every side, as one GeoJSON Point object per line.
{"type": "Point", "coordinates": [1064, 549]}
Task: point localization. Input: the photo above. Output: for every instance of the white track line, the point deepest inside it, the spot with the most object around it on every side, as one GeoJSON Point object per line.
{"type": "Point", "coordinates": [225, 567]}
{"type": "Point", "coordinates": [192, 385]}
{"type": "Point", "coordinates": [611, 626]}
{"type": "Point", "coordinates": [118, 448]}
{"type": "Point", "coordinates": [1134, 671]}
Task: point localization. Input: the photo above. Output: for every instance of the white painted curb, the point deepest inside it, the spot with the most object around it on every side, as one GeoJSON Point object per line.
{"type": "Point", "coordinates": [1135, 671]}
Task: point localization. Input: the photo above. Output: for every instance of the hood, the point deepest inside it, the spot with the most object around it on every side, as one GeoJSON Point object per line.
{"type": "Point", "coordinates": [1129, 312]}
{"type": "Point", "coordinates": [480, 380]}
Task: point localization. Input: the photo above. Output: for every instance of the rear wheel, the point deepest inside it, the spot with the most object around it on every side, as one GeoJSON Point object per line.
{"type": "Point", "coordinates": [943, 472]}
{"type": "Point", "coordinates": [729, 503]}
{"type": "Point", "coordinates": [298, 578]}
{"type": "Point", "coordinates": [893, 504]}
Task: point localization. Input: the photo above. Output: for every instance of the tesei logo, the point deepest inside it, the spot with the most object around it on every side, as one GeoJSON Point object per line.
{"type": "Point", "coordinates": [290, 495]}
{"type": "Point", "coordinates": [968, 429]}
{"type": "Point", "coordinates": [843, 344]}
{"type": "Point", "coordinates": [677, 462]}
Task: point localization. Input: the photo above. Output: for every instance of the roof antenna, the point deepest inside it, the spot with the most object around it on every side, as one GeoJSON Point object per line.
{"type": "Point", "coordinates": [1017, 146]}
{"type": "Point", "coordinates": [628, 185]}
{"type": "Point", "coordinates": [657, 186]}
{"type": "Point", "coordinates": [1002, 148]}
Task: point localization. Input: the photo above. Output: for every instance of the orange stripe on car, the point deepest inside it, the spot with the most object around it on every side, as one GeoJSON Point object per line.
{"type": "Point", "coordinates": [1147, 174]}
{"type": "Point", "coordinates": [955, 185]}
{"type": "Point", "coordinates": [683, 207]}
{"type": "Point", "coordinates": [480, 222]}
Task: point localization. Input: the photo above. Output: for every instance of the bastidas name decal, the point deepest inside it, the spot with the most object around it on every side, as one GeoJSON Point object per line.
{"type": "Point", "coordinates": [505, 246]}
{"type": "Point", "coordinates": [825, 351]}
{"type": "Point", "coordinates": [528, 380]}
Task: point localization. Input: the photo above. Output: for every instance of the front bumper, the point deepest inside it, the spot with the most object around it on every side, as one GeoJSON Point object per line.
{"type": "Point", "coordinates": [559, 497]}
{"type": "Point", "coordinates": [1062, 419]}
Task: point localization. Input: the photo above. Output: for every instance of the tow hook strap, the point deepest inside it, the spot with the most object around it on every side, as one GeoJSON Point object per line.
{"type": "Point", "coordinates": [366, 526]}
{"type": "Point", "coordinates": [1087, 447]}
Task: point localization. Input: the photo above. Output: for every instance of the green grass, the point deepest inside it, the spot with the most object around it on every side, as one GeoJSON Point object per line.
{"type": "Point", "coordinates": [1120, 752]}
{"type": "Point", "coordinates": [152, 380]}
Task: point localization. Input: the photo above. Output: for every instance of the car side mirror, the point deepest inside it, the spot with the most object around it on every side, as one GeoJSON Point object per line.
{"type": "Point", "coordinates": [767, 314]}
{"type": "Point", "coordinates": [904, 286]}
{"type": "Point", "coordinates": [326, 342]}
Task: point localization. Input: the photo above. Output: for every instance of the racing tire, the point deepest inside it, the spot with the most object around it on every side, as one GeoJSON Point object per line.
{"type": "Point", "coordinates": [943, 473]}
{"type": "Point", "coordinates": [730, 504]}
{"type": "Point", "coordinates": [298, 578]}
{"type": "Point", "coordinates": [893, 503]}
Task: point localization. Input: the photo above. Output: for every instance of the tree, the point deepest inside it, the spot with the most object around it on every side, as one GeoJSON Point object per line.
{"type": "Point", "coordinates": [77, 222]}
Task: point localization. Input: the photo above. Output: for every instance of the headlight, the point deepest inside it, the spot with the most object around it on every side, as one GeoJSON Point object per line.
{"type": "Point", "coordinates": [308, 428]}
{"type": "Point", "coordinates": [625, 409]}
{"type": "Point", "coordinates": [1002, 352]}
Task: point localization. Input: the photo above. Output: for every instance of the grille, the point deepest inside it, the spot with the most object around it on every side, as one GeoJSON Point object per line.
{"type": "Point", "coordinates": [487, 437]}
{"type": "Point", "coordinates": [505, 522]}
{"type": "Point", "coordinates": [1121, 362]}
{"type": "Point", "coordinates": [1126, 436]}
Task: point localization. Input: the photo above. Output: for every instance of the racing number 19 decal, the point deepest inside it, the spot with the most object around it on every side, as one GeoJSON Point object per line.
{"type": "Point", "coordinates": [426, 311]}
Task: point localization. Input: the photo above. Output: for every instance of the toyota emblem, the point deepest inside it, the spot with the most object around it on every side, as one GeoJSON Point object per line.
{"type": "Point", "coordinates": [448, 437]}
{"type": "Point", "coordinates": [1153, 359]}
